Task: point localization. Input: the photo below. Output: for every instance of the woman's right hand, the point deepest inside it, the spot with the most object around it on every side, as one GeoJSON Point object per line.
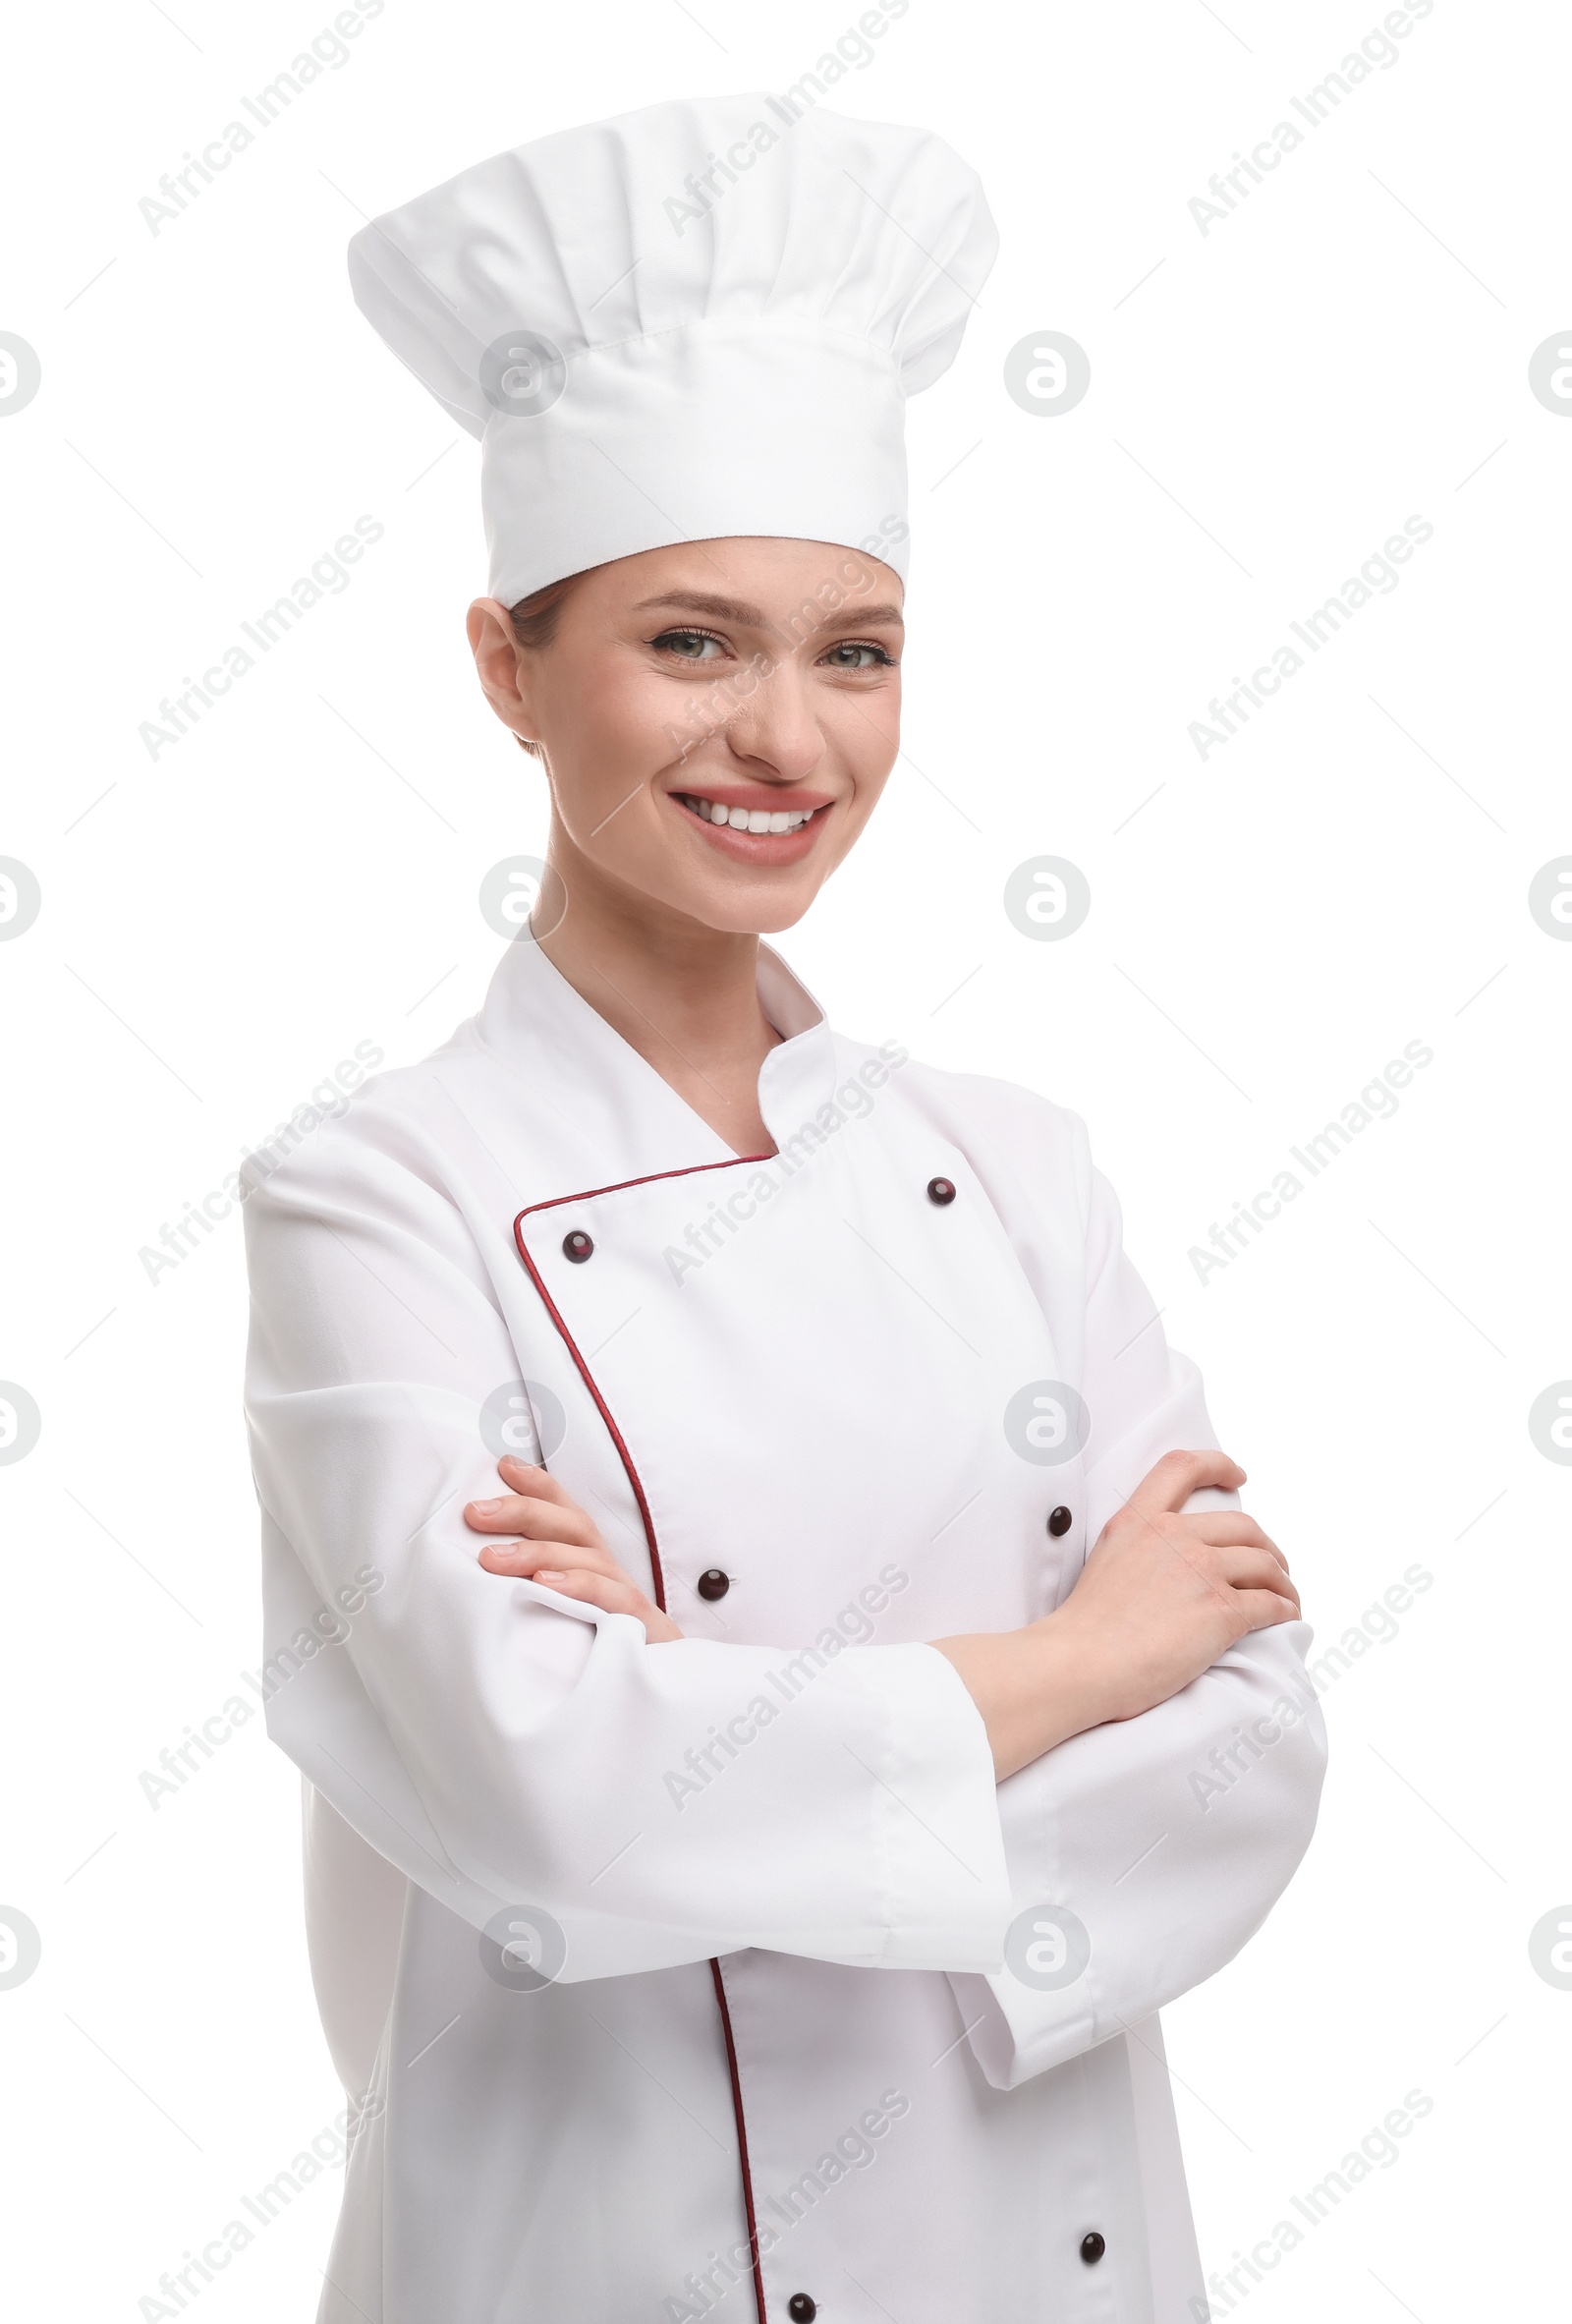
{"type": "Point", "coordinates": [1160, 1597]}
{"type": "Point", "coordinates": [559, 1545]}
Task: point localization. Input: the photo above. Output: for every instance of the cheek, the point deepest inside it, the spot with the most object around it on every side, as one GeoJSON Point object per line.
{"type": "Point", "coordinates": [605, 733]}
{"type": "Point", "coordinates": [865, 732]}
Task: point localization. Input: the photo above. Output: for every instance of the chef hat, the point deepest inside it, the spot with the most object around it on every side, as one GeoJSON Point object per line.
{"type": "Point", "coordinates": [700, 319]}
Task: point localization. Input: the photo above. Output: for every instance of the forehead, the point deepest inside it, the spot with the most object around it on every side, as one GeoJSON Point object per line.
{"type": "Point", "coordinates": [751, 578]}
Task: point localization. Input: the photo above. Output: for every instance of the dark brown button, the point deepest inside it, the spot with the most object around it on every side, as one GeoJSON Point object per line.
{"type": "Point", "coordinates": [714, 1583]}
{"type": "Point", "coordinates": [802, 2309]}
{"type": "Point", "coordinates": [1092, 2248]}
{"type": "Point", "coordinates": [1059, 1520]}
{"type": "Point", "coordinates": [940, 1191]}
{"type": "Point", "coordinates": [577, 1246]}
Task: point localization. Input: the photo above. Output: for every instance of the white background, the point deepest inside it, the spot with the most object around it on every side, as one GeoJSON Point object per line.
{"type": "Point", "coordinates": [1348, 347]}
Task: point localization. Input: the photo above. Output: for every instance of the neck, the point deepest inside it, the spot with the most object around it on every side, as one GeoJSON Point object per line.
{"type": "Point", "coordinates": [683, 994]}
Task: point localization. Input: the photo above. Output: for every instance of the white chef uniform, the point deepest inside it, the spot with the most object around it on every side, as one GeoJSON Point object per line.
{"type": "Point", "coordinates": [805, 1377]}
{"type": "Point", "coordinates": [719, 1976]}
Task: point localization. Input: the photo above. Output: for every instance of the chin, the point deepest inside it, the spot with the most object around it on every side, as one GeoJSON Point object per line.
{"type": "Point", "coordinates": [751, 913]}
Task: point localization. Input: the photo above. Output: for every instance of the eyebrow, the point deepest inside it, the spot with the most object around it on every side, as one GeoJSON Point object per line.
{"type": "Point", "coordinates": [753, 617]}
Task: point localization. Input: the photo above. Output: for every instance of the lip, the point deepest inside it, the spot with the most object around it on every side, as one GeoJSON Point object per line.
{"type": "Point", "coordinates": [764, 850]}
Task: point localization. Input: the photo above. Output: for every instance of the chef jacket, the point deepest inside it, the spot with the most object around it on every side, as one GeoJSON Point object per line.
{"type": "Point", "coordinates": [720, 1977]}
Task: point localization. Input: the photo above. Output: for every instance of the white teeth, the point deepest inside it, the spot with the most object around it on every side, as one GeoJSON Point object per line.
{"type": "Point", "coordinates": [747, 819]}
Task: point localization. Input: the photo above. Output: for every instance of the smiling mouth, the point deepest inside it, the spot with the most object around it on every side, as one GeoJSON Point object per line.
{"type": "Point", "coordinates": [778, 819]}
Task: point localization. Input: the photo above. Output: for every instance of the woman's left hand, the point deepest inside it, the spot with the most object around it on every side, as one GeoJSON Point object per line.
{"type": "Point", "coordinates": [554, 1542]}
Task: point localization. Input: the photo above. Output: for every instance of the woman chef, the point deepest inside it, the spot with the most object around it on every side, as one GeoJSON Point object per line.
{"type": "Point", "coordinates": [747, 1855]}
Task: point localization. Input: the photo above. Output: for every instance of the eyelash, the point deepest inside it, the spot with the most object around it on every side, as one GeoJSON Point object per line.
{"type": "Point", "coordinates": [887, 661]}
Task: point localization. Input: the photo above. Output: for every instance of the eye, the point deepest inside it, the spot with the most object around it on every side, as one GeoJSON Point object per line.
{"type": "Point", "coordinates": [689, 645]}
{"type": "Point", "coordinates": [857, 655]}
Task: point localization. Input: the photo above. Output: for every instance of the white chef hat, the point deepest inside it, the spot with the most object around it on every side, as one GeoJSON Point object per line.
{"type": "Point", "coordinates": [695, 321]}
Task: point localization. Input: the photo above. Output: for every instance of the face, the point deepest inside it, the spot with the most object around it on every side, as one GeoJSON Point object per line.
{"type": "Point", "coordinates": [717, 720]}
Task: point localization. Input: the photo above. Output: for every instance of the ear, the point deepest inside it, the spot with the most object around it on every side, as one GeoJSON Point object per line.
{"type": "Point", "coordinates": [502, 669]}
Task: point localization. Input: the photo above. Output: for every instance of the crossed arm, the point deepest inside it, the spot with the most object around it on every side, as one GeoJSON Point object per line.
{"type": "Point", "coordinates": [1161, 1596]}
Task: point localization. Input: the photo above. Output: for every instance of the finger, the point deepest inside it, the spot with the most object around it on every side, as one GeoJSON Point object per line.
{"type": "Point", "coordinates": [1164, 1489]}
{"type": "Point", "coordinates": [1262, 1608]}
{"type": "Point", "coordinates": [1234, 1529]}
{"type": "Point", "coordinates": [528, 1556]}
{"type": "Point", "coordinates": [537, 1519]}
{"type": "Point", "coordinates": [613, 1595]}
{"type": "Point", "coordinates": [571, 1573]}
{"type": "Point", "coordinates": [1252, 1570]}
{"type": "Point", "coordinates": [526, 1476]}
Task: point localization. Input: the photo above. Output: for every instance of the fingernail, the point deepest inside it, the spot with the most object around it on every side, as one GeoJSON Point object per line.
{"type": "Point", "coordinates": [486, 1509]}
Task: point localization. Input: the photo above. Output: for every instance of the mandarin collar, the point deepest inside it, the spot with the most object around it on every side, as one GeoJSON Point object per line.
{"type": "Point", "coordinates": [575, 1061]}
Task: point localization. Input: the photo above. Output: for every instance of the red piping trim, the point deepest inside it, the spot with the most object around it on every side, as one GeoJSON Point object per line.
{"type": "Point", "coordinates": [625, 1457]}
{"type": "Point", "coordinates": [657, 1577]}
{"type": "Point", "coordinates": [556, 1202]}
{"type": "Point", "coordinates": [621, 1185]}
{"type": "Point", "coordinates": [742, 2140]}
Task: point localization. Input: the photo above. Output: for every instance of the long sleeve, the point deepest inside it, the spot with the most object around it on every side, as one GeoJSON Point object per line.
{"type": "Point", "coordinates": [1143, 1854]}
{"type": "Point", "coordinates": [503, 1746]}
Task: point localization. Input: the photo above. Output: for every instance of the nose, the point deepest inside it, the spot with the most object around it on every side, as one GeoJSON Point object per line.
{"type": "Point", "coordinates": [774, 731]}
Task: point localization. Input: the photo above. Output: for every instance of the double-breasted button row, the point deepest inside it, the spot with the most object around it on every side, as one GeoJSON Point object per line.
{"type": "Point", "coordinates": [578, 1246]}
{"type": "Point", "coordinates": [801, 2308]}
